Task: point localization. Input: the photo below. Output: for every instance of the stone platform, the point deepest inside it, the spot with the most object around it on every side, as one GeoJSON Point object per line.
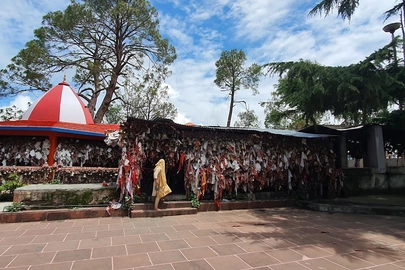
{"type": "Point", "coordinates": [64, 194]}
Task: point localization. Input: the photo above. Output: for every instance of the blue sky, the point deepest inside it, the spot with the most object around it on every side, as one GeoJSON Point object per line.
{"type": "Point", "coordinates": [267, 31]}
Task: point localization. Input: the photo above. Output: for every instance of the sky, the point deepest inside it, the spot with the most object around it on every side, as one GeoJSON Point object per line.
{"type": "Point", "coordinates": [200, 30]}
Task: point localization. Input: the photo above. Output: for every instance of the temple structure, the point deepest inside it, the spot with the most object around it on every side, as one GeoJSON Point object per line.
{"type": "Point", "coordinates": [50, 132]}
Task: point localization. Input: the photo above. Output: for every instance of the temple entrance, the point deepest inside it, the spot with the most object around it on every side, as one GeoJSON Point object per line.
{"type": "Point", "coordinates": [174, 180]}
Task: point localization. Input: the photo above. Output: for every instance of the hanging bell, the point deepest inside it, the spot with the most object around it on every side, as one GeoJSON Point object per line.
{"type": "Point", "coordinates": [164, 136]}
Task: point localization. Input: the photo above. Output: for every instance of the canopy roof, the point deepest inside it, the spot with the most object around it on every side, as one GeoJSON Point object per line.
{"type": "Point", "coordinates": [59, 110]}
{"type": "Point", "coordinates": [60, 104]}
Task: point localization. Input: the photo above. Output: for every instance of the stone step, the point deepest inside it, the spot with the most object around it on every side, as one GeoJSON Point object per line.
{"type": "Point", "coordinates": [162, 205]}
{"type": "Point", "coordinates": [163, 212]}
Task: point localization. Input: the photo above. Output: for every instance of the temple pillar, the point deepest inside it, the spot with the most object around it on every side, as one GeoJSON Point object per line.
{"type": "Point", "coordinates": [375, 154]}
{"type": "Point", "coordinates": [53, 139]}
{"type": "Point", "coordinates": [342, 152]}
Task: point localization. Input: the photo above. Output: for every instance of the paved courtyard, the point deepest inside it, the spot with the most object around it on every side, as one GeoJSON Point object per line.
{"type": "Point", "coordinates": [278, 239]}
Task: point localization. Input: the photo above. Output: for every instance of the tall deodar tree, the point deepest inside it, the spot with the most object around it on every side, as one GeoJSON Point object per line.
{"type": "Point", "coordinates": [231, 76]}
{"type": "Point", "coordinates": [106, 42]}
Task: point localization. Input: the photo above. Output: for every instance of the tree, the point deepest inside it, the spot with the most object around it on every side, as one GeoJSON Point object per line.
{"type": "Point", "coordinates": [11, 113]}
{"type": "Point", "coordinates": [306, 90]}
{"type": "Point", "coordinates": [106, 42]}
{"type": "Point", "coordinates": [145, 99]}
{"type": "Point", "coordinates": [346, 9]}
{"type": "Point", "coordinates": [231, 76]}
{"type": "Point", "coordinates": [247, 119]}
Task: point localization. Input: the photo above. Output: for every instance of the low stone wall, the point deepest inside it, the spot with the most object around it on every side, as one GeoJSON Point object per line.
{"type": "Point", "coordinates": [64, 195]}
{"type": "Point", "coordinates": [66, 175]}
{"type": "Point", "coordinates": [363, 181]}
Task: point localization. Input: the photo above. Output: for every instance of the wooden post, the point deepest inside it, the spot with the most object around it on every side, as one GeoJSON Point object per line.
{"type": "Point", "coordinates": [53, 139]}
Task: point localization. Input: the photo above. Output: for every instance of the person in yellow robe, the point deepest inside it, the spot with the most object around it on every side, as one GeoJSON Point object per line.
{"type": "Point", "coordinates": [160, 187]}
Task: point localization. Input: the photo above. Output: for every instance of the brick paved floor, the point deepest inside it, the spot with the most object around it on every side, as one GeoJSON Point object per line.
{"type": "Point", "coordinates": [278, 239]}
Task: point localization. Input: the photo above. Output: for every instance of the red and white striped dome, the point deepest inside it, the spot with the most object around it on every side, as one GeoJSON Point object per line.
{"type": "Point", "coordinates": [60, 104]}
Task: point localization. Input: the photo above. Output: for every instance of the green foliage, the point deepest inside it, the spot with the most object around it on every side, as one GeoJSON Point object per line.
{"type": "Point", "coordinates": [11, 183]}
{"type": "Point", "coordinates": [307, 90]}
{"type": "Point", "coordinates": [104, 41]}
{"type": "Point", "coordinates": [144, 99]}
{"type": "Point", "coordinates": [137, 198]}
{"type": "Point", "coordinates": [195, 203]}
{"type": "Point", "coordinates": [345, 8]}
{"type": "Point", "coordinates": [55, 182]}
{"type": "Point", "coordinates": [247, 119]}
{"type": "Point", "coordinates": [11, 113]}
{"type": "Point", "coordinates": [14, 207]}
{"type": "Point", "coordinates": [231, 76]}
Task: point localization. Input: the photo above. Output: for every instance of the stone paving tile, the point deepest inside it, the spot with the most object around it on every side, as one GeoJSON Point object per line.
{"type": "Point", "coordinates": [158, 267]}
{"type": "Point", "coordinates": [71, 230]}
{"type": "Point", "coordinates": [137, 231]}
{"type": "Point", "coordinates": [206, 225]}
{"type": "Point", "coordinates": [278, 243]}
{"type": "Point", "coordinates": [200, 241]}
{"type": "Point", "coordinates": [191, 265]}
{"type": "Point", "coordinates": [162, 229]}
{"type": "Point", "coordinates": [52, 266]}
{"type": "Point", "coordinates": [109, 233]}
{"type": "Point", "coordinates": [256, 259]}
{"type": "Point", "coordinates": [311, 251]}
{"type": "Point", "coordinates": [130, 261]}
{"type": "Point", "coordinates": [5, 260]}
{"type": "Point", "coordinates": [386, 267]}
{"type": "Point", "coordinates": [349, 261]}
{"type": "Point", "coordinates": [372, 257]}
{"type": "Point", "coordinates": [173, 244]}
{"type": "Point", "coordinates": [3, 249]}
{"type": "Point", "coordinates": [17, 240]}
{"type": "Point", "coordinates": [401, 263]}
{"type": "Point", "coordinates": [186, 227]}
{"type": "Point", "coordinates": [95, 242]}
{"type": "Point", "coordinates": [227, 249]}
{"type": "Point", "coordinates": [16, 268]}
{"type": "Point", "coordinates": [142, 248]}
{"type": "Point", "coordinates": [285, 255]}
{"type": "Point", "coordinates": [120, 226]}
{"type": "Point", "coordinates": [80, 236]}
{"type": "Point", "coordinates": [86, 222]}
{"type": "Point", "coordinates": [102, 252]}
{"type": "Point", "coordinates": [290, 266]}
{"type": "Point", "coordinates": [21, 249]}
{"type": "Point", "coordinates": [180, 235]}
{"type": "Point", "coordinates": [227, 263]}
{"type": "Point", "coordinates": [99, 264]}
{"type": "Point", "coordinates": [166, 257]}
{"type": "Point", "coordinates": [253, 246]}
{"type": "Point", "coordinates": [38, 232]}
{"type": "Point", "coordinates": [60, 224]}
{"type": "Point", "coordinates": [49, 238]}
{"type": "Point", "coordinates": [72, 255]}
{"type": "Point", "coordinates": [204, 232]}
{"type": "Point", "coordinates": [32, 259]}
{"type": "Point", "coordinates": [225, 239]}
{"type": "Point", "coordinates": [316, 264]}
{"type": "Point", "coordinates": [11, 233]}
{"type": "Point", "coordinates": [33, 225]}
{"type": "Point", "coordinates": [198, 253]}
{"type": "Point", "coordinates": [131, 239]}
{"type": "Point", "coordinates": [93, 228]}
{"type": "Point", "coordinates": [58, 246]}
{"type": "Point", "coordinates": [154, 237]}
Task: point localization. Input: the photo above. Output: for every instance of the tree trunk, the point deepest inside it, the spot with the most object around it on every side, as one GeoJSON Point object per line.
{"type": "Point", "coordinates": [106, 100]}
{"type": "Point", "coordinates": [93, 100]}
{"type": "Point", "coordinates": [228, 124]}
